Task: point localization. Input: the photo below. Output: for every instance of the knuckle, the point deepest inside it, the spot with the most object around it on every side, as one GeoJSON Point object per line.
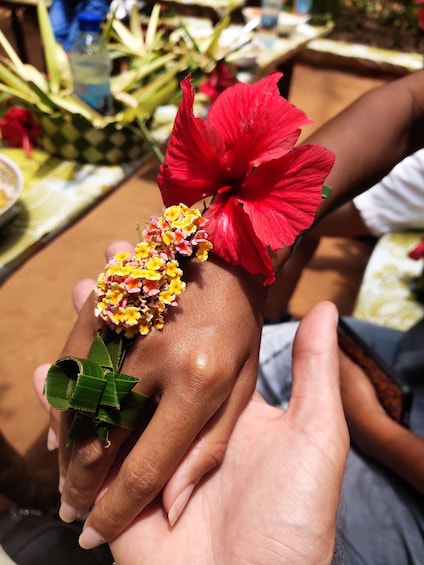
{"type": "Point", "coordinates": [214, 456]}
{"type": "Point", "coordinates": [90, 456]}
{"type": "Point", "coordinates": [140, 481]}
{"type": "Point", "coordinates": [203, 374]}
{"type": "Point", "coordinates": [79, 495]}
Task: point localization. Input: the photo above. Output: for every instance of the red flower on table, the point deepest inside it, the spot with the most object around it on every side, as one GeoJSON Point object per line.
{"type": "Point", "coordinates": [219, 80]}
{"type": "Point", "coordinates": [19, 128]}
{"type": "Point", "coordinates": [420, 13]}
{"type": "Point", "coordinates": [265, 190]}
{"type": "Point", "coordinates": [418, 251]}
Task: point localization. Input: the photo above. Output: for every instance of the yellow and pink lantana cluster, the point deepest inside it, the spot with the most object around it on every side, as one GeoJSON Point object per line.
{"type": "Point", "coordinates": [135, 290]}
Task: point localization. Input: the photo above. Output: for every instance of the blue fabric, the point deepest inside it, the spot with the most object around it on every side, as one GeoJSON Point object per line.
{"type": "Point", "coordinates": [381, 518]}
{"type": "Point", "coordinates": [64, 17]}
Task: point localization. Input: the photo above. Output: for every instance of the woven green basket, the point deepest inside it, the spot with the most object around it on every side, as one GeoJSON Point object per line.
{"type": "Point", "coordinates": [73, 137]}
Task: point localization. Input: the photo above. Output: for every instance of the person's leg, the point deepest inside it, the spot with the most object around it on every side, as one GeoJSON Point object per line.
{"type": "Point", "coordinates": [274, 376]}
{"type": "Point", "coordinates": [381, 517]}
{"type": "Point", "coordinates": [383, 340]}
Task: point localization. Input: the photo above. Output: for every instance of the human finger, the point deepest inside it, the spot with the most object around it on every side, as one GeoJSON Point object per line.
{"type": "Point", "coordinates": [315, 408]}
{"type": "Point", "coordinates": [116, 247]}
{"type": "Point", "coordinates": [316, 387]}
{"type": "Point", "coordinates": [208, 450]}
{"type": "Point", "coordinates": [89, 450]}
{"type": "Point", "coordinates": [81, 292]}
{"type": "Point", "coordinates": [140, 479]}
{"type": "Point", "coordinates": [39, 378]}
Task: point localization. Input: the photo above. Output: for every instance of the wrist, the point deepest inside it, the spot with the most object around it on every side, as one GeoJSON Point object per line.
{"type": "Point", "coordinates": [234, 276]}
{"type": "Point", "coordinates": [279, 257]}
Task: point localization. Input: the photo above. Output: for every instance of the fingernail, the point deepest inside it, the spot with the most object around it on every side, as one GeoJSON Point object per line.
{"type": "Point", "coordinates": [179, 504]}
{"type": "Point", "coordinates": [89, 539]}
{"type": "Point", "coordinates": [67, 513]}
{"type": "Point", "coordinates": [52, 443]}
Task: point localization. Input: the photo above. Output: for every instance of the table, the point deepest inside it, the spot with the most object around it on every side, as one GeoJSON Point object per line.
{"type": "Point", "coordinates": [363, 58]}
{"type": "Point", "coordinates": [255, 59]}
{"type": "Point", "coordinates": [55, 194]}
{"type": "Point", "coordinates": [385, 295]}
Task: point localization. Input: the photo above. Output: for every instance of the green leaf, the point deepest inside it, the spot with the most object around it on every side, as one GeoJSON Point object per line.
{"type": "Point", "coordinates": [99, 353]}
{"type": "Point", "coordinates": [50, 46]}
{"type": "Point", "coordinates": [11, 53]}
{"type": "Point", "coordinates": [326, 191]}
{"type": "Point", "coordinates": [124, 384]}
{"type": "Point", "coordinates": [82, 424]}
{"type": "Point", "coordinates": [152, 26]}
{"type": "Point", "coordinates": [88, 393]}
{"type": "Point", "coordinates": [117, 347]}
{"type": "Point", "coordinates": [129, 414]}
{"type": "Point", "coordinates": [215, 37]}
{"type": "Point", "coordinates": [57, 387]}
{"type": "Point", "coordinates": [110, 395]}
{"type": "Point", "coordinates": [9, 78]}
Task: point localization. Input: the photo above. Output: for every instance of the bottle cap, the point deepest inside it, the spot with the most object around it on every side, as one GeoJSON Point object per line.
{"type": "Point", "coordinates": [89, 21]}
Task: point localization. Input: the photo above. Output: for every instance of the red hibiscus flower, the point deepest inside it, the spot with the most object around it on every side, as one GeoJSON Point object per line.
{"type": "Point", "coordinates": [418, 251]}
{"type": "Point", "coordinates": [19, 128]}
{"type": "Point", "coordinates": [219, 79]}
{"type": "Point", "coordinates": [265, 191]}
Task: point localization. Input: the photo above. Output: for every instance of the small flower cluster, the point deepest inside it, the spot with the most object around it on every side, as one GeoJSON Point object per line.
{"type": "Point", "coordinates": [135, 291]}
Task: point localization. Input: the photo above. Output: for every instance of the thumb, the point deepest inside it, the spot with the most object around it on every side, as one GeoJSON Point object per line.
{"type": "Point", "coordinates": [315, 369]}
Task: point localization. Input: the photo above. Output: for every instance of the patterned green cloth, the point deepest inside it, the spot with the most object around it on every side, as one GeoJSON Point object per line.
{"type": "Point", "coordinates": [73, 137]}
{"type": "Point", "coordinates": [56, 192]}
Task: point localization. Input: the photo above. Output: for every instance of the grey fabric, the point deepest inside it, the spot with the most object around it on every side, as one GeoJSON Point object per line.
{"type": "Point", "coordinates": [381, 518]}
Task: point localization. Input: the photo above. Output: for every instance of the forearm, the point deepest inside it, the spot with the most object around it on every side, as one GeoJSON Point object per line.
{"type": "Point", "coordinates": [395, 447]}
{"type": "Point", "coordinates": [371, 136]}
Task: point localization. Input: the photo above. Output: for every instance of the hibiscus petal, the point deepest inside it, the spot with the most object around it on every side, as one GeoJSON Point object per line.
{"type": "Point", "coordinates": [193, 164]}
{"type": "Point", "coordinates": [294, 187]}
{"type": "Point", "coordinates": [234, 240]}
{"type": "Point", "coordinates": [256, 122]}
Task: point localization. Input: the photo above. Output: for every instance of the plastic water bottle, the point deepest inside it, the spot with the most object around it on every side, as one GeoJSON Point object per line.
{"type": "Point", "coordinates": [270, 11]}
{"type": "Point", "coordinates": [91, 65]}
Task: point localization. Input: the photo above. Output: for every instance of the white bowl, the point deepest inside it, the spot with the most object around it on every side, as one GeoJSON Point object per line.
{"type": "Point", "coordinates": [288, 22]}
{"type": "Point", "coordinates": [11, 185]}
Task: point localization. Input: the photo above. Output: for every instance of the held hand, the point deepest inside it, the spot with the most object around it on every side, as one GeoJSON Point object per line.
{"type": "Point", "coordinates": [202, 368]}
{"type": "Point", "coordinates": [276, 494]}
{"type": "Point", "coordinates": [274, 498]}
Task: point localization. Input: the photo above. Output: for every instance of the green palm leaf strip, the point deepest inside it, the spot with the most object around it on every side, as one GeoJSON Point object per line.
{"type": "Point", "coordinates": [100, 395]}
{"type": "Point", "coordinates": [53, 62]}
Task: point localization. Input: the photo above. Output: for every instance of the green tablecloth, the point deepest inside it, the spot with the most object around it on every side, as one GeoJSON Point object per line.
{"type": "Point", "coordinates": [55, 194]}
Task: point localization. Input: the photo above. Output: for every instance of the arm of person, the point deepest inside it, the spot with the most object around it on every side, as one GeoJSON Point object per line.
{"type": "Point", "coordinates": [369, 138]}
{"type": "Point", "coordinates": [374, 432]}
{"type": "Point", "coordinates": [276, 495]}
